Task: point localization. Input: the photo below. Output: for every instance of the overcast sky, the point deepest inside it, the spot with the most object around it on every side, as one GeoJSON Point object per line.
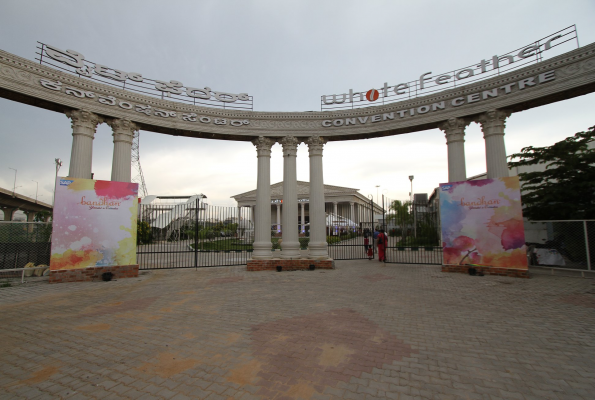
{"type": "Point", "coordinates": [286, 54]}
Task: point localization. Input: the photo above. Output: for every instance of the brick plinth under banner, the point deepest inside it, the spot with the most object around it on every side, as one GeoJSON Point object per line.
{"type": "Point", "coordinates": [93, 273]}
{"type": "Point", "coordinates": [512, 272]}
{"type": "Point", "coordinates": [288, 265]}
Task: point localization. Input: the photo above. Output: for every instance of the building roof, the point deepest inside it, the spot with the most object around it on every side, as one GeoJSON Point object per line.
{"type": "Point", "coordinates": [303, 191]}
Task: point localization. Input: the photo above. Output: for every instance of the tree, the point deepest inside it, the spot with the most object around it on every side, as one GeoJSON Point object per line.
{"type": "Point", "coordinates": [400, 214]}
{"type": "Point", "coordinates": [566, 189]}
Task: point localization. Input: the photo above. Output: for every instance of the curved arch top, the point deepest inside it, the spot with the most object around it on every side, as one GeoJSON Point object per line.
{"type": "Point", "coordinates": [565, 76]}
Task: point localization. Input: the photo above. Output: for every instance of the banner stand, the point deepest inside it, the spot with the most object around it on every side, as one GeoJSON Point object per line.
{"type": "Point", "coordinates": [94, 231]}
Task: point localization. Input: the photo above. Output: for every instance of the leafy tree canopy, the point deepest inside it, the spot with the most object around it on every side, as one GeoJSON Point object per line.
{"type": "Point", "coordinates": [566, 189]}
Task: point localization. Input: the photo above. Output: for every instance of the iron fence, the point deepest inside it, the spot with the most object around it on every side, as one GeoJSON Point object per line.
{"type": "Point", "coordinates": [193, 235]}
{"type": "Point", "coordinates": [22, 243]}
{"type": "Point", "coordinates": [349, 230]}
{"type": "Point", "coordinates": [413, 232]}
{"type": "Point", "coordinates": [561, 244]}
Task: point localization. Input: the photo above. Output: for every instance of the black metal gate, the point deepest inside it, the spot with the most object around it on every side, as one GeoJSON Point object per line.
{"type": "Point", "coordinates": [193, 234]}
{"type": "Point", "coordinates": [350, 235]}
{"type": "Point", "coordinates": [413, 232]}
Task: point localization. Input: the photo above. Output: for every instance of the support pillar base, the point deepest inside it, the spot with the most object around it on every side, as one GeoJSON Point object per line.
{"type": "Point", "coordinates": [93, 273]}
{"type": "Point", "coordinates": [300, 264]}
{"type": "Point", "coordinates": [511, 272]}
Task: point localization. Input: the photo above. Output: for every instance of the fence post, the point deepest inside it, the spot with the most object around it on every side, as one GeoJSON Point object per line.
{"type": "Point", "coordinates": [196, 232]}
{"type": "Point", "coordinates": [587, 245]}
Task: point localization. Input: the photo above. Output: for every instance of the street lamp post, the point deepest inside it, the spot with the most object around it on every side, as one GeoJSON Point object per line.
{"type": "Point", "coordinates": [36, 189]}
{"type": "Point", "coordinates": [58, 165]}
{"type": "Point", "coordinates": [413, 208]}
{"type": "Point", "coordinates": [14, 187]}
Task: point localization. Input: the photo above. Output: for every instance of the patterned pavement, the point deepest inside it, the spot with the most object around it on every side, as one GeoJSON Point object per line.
{"type": "Point", "coordinates": [363, 331]}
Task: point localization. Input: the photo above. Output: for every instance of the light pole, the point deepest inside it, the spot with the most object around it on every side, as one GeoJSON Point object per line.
{"type": "Point", "coordinates": [413, 208]}
{"type": "Point", "coordinates": [377, 198]}
{"type": "Point", "coordinates": [36, 189]}
{"type": "Point", "coordinates": [14, 187]}
{"type": "Point", "coordinates": [58, 165]}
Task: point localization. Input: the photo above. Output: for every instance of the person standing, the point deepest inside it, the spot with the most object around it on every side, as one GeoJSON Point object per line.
{"type": "Point", "coordinates": [375, 235]}
{"type": "Point", "coordinates": [382, 244]}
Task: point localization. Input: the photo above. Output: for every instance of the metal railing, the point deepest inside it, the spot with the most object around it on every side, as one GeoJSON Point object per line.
{"type": "Point", "coordinates": [24, 242]}
{"type": "Point", "coordinates": [568, 244]}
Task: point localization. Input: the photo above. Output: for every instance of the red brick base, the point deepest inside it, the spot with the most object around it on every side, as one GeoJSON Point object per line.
{"type": "Point", "coordinates": [514, 273]}
{"type": "Point", "coordinates": [93, 273]}
{"type": "Point", "coordinates": [288, 265]}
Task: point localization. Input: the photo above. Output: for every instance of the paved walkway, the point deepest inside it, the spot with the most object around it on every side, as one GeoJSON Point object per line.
{"type": "Point", "coordinates": [363, 331]}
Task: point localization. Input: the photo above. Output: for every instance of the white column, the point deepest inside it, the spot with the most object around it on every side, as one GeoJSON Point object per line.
{"type": "Point", "coordinates": [291, 244]}
{"type": "Point", "coordinates": [84, 125]}
{"type": "Point", "coordinates": [262, 227]}
{"type": "Point", "coordinates": [352, 212]}
{"type": "Point", "coordinates": [278, 217]}
{"type": "Point", "coordinates": [492, 125]}
{"type": "Point", "coordinates": [318, 247]}
{"type": "Point", "coordinates": [454, 130]}
{"type": "Point", "coordinates": [303, 227]}
{"type": "Point", "coordinates": [123, 132]}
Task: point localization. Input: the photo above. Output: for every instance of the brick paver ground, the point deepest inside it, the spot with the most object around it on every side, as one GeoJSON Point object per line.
{"type": "Point", "coordinates": [363, 331]}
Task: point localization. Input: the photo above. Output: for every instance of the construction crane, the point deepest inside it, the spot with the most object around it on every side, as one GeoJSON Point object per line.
{"type": "Point", "coordinates": [136, 168]}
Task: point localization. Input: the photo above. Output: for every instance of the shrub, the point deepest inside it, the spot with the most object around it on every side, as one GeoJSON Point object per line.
{"type": "Point", "coordinates": [144, 235]}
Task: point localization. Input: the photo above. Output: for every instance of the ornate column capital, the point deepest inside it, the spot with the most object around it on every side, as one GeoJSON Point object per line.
{"type": "Point", "coordinates": [454, 129]}
{"type": "Point", "coordinates": [335, 203]}
{"type": "Point", "coordinates": [493, 122]}
{"type": "Point", "coordinates": [83, 119]}
{"type": "Point", "coordinates": [263, 146]}
{"type": "Point", "coordinates": [351, 203]}
{"type": "Point", "coordinates": [123, 129]}
{"type": "Point", "coordinates": [290, 144]}
{"type": "Point", "coordinates": [315, 145]}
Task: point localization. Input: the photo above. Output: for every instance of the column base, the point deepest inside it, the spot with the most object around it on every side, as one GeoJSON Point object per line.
{"type": "Point", "coordinates": [318, 251]}
{"type": "Point", "coordinates": [290, 250]}
{"type": "Point", "coordinates": [262, 251]}
{"type": "Point", "coordinates": [511, 272]}
{"type": "Point", "coordinates": [300, 264]}
{"type": "Point", "coordinates": [93, 273]}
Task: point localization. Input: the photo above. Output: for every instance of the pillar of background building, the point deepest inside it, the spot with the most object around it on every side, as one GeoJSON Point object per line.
{"type": "Point", "coordinates": [278, 217]}
{"type": "Point", "coordinates": [492, 125]}
{"type": "Point", "coordinates": [303, 227]}
{"type": "Point", "coordinates": [291, 245]}
{"type": "Point", "coordinates": [123, 133]}
{"type": "Point", "coordinates": [262, 226]}
{"type": "Point", "coordinates": [454, 130]}
{"type": "Point", "coordinates": [352, 212]}
{"type": "Point", "coordinates": [317, 245]}
{"type": "Point", "coordinates": [84, 125]}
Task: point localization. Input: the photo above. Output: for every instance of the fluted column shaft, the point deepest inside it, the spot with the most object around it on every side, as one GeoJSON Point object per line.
{"type": "Point", "coordinates": [492, 125]}
{"type": "Point", "coordinates": [454, 130]}
{"type": "Point", "coordinates": [84, 125]}
{"type": "Point", "coordinates": [352, 211]}
{"type": "Point", "coordinates": [123, 133]}
{"type": "Point", "coordinates": [262, 226]}
{"type": "Point", "coordinates": [291, 244]}
{"type": "Point", "coordinates": [278, 217]}
{"type": "Point", "coordinates": [317, 246]}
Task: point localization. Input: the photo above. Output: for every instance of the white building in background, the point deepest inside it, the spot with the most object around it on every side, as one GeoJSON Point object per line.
{"type": "Point", "coordinates": [344, 207]}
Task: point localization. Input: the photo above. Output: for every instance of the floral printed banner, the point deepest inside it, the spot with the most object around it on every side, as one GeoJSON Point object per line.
{"type": "Point", "coordinates": [482, 223]}
{"type": "Point", "coordinates": [94, 224]}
